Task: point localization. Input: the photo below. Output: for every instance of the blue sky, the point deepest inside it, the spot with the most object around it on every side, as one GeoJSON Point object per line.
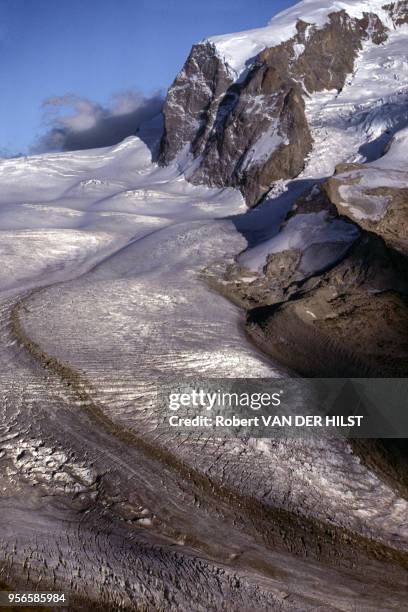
{"type": "Point", "coordinates": [96, 48]}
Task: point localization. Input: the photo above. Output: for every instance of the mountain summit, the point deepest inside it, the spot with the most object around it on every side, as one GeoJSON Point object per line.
{"type": "Point", "coordinates": [245, 106]}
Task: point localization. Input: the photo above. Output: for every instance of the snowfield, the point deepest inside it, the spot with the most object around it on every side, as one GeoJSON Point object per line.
{"type": "Point", "coordinates": [140, 237]}
{"type": "Point", "coordinates": [62, 213]}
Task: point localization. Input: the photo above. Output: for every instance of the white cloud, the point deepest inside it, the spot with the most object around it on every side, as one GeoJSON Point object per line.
{"type": "Point", "coordinates": [79, 123]}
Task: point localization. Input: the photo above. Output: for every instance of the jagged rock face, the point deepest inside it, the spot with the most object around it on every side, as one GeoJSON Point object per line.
{"type": "Point", "coordinates": [285, 271]}
{"type": "Point", "coordinates": [374, 198]}
{"type": "Point", "coordinates": [236, 152]}
{"type": "Point", "coordinates": [191, 100]}
{"type": "Point", "coordinates": [329, 53]}
{"type": "Point", "coordinates": [250, 134]}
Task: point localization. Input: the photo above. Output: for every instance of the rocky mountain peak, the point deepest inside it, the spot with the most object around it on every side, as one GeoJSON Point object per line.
{"type": "Point", "coordinates": [237, 108]}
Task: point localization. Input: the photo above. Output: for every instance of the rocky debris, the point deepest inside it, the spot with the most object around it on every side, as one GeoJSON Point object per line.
{"type": "Point", "coordinates": [329, 307]}
{"type": "Point", "coordinates": [373, 198]}
{"type": "Point", "coordinates": [351, 320]}
{"type": "Point", "coordinates": [251, 132]}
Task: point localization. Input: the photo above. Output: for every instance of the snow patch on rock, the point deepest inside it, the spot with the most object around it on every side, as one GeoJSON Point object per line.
{"type": "Point", "coordinates": [239, 49]}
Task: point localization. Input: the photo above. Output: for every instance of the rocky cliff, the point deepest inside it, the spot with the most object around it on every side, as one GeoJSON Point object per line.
{"type": "Point", "coordinates": [374, 196]}
{"type": "Point", "coordinates": [245, 125]}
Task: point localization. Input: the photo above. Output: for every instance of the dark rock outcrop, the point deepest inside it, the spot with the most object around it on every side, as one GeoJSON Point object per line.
{"type": "Point", "coordinates": [381, 208]}
{"type": "Point", "coordinates": [350, 321]}
{"type": "Point", "coordinates": [251, 133]}
{"type": "Point", "coordinates": [192, 99]}
{"type": "Point", "coordinates": [398, 12]}
{"type": "Point", "coordinates": [346, 316]}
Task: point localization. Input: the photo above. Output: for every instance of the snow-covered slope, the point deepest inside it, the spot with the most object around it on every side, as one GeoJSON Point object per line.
{"type": "Point", "coordinates": [62, 213]}
{"type": "Point", "coordinates": [240, 49]}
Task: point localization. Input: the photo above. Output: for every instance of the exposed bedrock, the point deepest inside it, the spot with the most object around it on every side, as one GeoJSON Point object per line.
{"type": "Point", "coordinates": [249, 133]}
{"type": "Point", "coordinates": [334, 305]}
{"type": "Point", "coordinates": [350, 321]}
{"type": "Point", "coordinates": [376, 198]}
